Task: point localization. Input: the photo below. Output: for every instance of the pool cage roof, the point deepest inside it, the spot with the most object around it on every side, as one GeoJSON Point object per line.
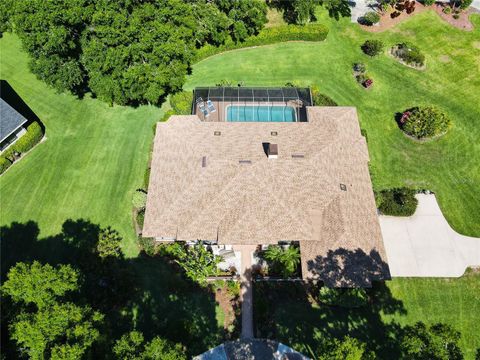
{"type": "Point", "coordinates": [254, 94]}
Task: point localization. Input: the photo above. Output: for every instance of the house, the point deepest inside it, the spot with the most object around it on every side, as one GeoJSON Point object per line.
{"type": "Point", "coordinates": [12, 125]}
{"type": "Point", "coordinates": [257, 176]}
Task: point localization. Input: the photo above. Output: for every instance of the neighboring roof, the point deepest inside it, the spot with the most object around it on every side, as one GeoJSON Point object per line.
{"type": "Point", "coordinates": [10, 120]}
{"type": "Point", "coordinates": [251, 349]}
{"type": "Point", "coordinates": [268, 200]}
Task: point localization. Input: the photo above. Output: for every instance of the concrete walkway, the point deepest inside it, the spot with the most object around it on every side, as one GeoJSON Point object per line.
{"type": "Point", "coordinates": [246, 296]}
{"type": "Point", "coordinates": [425, 245]}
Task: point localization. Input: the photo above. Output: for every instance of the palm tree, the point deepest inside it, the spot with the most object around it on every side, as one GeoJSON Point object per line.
{"type": "Point", "coordinates": [284, 260]}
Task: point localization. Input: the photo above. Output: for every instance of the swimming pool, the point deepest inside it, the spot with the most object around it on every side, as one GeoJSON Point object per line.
{"type": "Point", "coordinates": [260, 113]}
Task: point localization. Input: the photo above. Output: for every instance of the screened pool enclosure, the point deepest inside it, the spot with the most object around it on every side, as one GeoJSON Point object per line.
{"type": "Point", "coordinates": [251, 104]}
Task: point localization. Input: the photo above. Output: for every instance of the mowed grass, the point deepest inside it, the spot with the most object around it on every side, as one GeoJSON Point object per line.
{"type": "Point", "coordinates": [449, 166]}
{"type": "Point", "coordinates": [451, 301]}
{"type": "Point", "coordinates": [92, 161]}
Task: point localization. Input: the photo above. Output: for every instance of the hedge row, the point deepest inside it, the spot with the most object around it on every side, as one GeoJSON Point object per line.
{"type": "Point", "coordinates": [396, 202]}
{"type": "Point", "coordinates": [33, 135]}
{"type": "Point", "coordinates": [312, 32]}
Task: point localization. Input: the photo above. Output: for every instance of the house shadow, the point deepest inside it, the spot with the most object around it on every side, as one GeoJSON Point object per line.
{"type": "Point", "coordinates": [145, 293]}
{"type": "Point", "coordinates": [349, 268]}
{"type": "Point", "coordinates": [292, 313]}
{"type": "Point", "coordinates": [10, 96]}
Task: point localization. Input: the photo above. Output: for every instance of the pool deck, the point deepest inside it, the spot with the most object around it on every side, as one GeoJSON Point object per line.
{"type": "Point", "coordinates": [220, 114]}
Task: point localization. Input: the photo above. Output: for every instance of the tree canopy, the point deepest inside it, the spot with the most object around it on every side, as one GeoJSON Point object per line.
{"type": "Point", "coordinates": [126, 51]}
{"type": "Point", "coordinates": [132, 346]}
{"type": "Point", "coordinates": [283, 261]}
{"type": "Point", "coordinates": [39, 284]}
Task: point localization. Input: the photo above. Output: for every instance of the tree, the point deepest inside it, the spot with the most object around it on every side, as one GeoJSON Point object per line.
{"type": "Point", "coordinates": [139, 199]}
{"type": "Point", "coordinates": [109, 243]}
{"type": "Point", "coordinates": [304, 11]}
{"type": "Point", "coordinates": [212, 24]}
{"type": "Point", "coordinates": [61, 331]}
{"type": "Point", "coordinates": [284, 261]}
{"type": "Point", "coordinates": [435, 342]}
{"type": "Point", "coordinates": [198, 262]}
{"type": "Point", "coordinates": [39, 284]}
{"type": "Point", "coordinates": [397, 201]}
{"type": "Point", "coordinates": [346, 349]}
{"type": "Point", "coordinates": [133, 347]}
{"type": "Point", "coordinates": [337, 8]}
{"type": "Point", "coordinates": [50, 32]}
{"type": "Point", "coordinates": [248, 17]}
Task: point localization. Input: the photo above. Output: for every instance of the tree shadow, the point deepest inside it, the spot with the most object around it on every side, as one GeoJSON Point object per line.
{"type": "Point", "coordinates": [347, 268]}
{"type": "Point", "coordinates": [145, 293]}
{"type": "Point", "coordinates": [287, 313]}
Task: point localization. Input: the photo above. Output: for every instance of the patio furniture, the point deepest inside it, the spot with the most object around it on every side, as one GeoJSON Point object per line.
{"type": "Point", "coordinates": [210, 106]}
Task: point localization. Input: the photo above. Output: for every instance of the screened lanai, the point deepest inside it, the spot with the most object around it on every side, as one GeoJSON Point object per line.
{"type": "Point", "coordinates": [251, 104]}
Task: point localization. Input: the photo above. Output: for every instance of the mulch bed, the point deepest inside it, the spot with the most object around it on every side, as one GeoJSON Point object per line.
{"type": "Point", "coordinates": [386, 22]}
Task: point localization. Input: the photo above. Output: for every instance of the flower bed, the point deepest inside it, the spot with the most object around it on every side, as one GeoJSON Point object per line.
{"type": "Point", "coordinates": [409, 55]}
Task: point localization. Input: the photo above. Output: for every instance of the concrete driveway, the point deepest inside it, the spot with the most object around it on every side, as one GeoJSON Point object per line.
{"type": "Point", "coordinates": [425, 245]}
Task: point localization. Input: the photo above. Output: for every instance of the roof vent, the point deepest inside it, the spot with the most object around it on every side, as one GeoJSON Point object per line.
{"type": "Point", "coordinates": [272, 151]}
{"type": "Point", "coordinates": [217, 133]}
{"type": "Point", "coordinates": [343, 187]}
{"type": "Point", "coordinates": [244, 161]}
{"type": "Point", "coordinates": [298, 156]}
{"type": "Point", "coordinates": [274, 133]}
{"type": "Point", "coordinates": [204, 161]}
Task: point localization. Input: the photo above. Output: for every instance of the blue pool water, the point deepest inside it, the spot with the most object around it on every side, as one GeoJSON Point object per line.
{"type": "Point", "coordinates": [260, 113]}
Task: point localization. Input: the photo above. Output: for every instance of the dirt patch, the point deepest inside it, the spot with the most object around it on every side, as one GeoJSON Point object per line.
{"type": "Point", "coordinates": [386, 22]}
{"type": "Point", "coordinates": [444, 59]}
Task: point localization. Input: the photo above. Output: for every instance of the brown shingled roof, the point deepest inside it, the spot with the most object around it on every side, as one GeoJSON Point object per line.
{"type": "Point", "coordinates": [268, 200]}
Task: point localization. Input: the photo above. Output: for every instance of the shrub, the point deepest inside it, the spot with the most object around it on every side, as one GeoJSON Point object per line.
{"type": "Point", "coordinates": [370, 18]}
{"type": "Point", "coordinates": [33, 135]}
{"type": "Point", "coordinates": [311, 32]}
{"type": "Point", "coordinates": [141, 218]}
{"type": "Point", "coordinates": [372, 47]}
{"type": "Point", "coordinates": [147, 245]}
{"type": "Point", "coordinates": [139, 199]}
{"type": "Point", "coordinates": [146, 178]}
{"type": "Point", "coordinates": [282, 261]}
{"type": "Point", "coordinates": [181, 102]}
{"type": "Point", "coordinates": [447, 10]}
{"type": "Point", "coordinates": [456, 16]}
{"type": "Point", "coordinates": [165, 117]}
{"type": "Point", "coordinates": [348, 298]}
{"type": "Point", "coordinates": [397, 202]}
{"type": "Point", "coordinates": [359, 67]}
{"type": "Point", "coordinates": [320, 99]}
{"type": "Point", "coordinates": [425, 122]}
{"type": "Point", "coordinates": [409, 53]}
{"type": "Point", "coordinates": [428, 2]}
{"type": "Point", "coordinates": [4, 164]}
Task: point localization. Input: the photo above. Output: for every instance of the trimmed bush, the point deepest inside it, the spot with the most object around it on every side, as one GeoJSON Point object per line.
{"type": "Point", "coordinates": [424, 122]}
{"type": "Point", "coordinates": [147, 245]}
{"type": "Point", "coordinates": [141, 218]}
{"type": "Point", "coordinates": [370, 18]}
{"type": "Point", "coordinates": [428, 2]}
{"type": "Point", "coordinates": [409, 53]}
{"type": "Point", "coordinates": [320, 99]}
{"type": "Point", "coordinates": [396, 202]}
{"type": "Point", "coordinates": [165, 117]}
{"type": "Point", "coordinates": [181, 102]}
{"type": "Point", "coordinates": [33, 135]}
{"type": "Point", "coordinates": [343, 297]}
{"type": "Point", "coordinates": [139, 199]}
{"type": "Point", "coordinates": [372, 47]}
{"type": "Point", "coordinates": [312, 32]}
{"type": "Point", "coordinates": [4, 164]}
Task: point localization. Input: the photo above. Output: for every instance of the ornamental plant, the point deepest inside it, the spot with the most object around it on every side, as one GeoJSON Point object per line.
{"type": "Point", "coordinates": [370, 18]}
{"type": "Point", "coordinates": [372, 47]}
{"type": "Point", "coordinates": [425, 122]}
{"type": "Point", "coordinates": [396, 202]}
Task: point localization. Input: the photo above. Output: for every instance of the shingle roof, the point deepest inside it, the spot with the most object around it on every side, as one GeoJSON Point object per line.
{"type": "Point", "coordinates": [268, 200]}
{"type": "Point", "coordinates": [10, 120]}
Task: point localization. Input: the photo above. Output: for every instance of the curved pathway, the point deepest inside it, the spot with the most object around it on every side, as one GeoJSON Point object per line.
{"type": "Point", "coordinates": [425, 245]}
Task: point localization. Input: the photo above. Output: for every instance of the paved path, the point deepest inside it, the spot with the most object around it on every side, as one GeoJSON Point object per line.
{"type": "Point", "coordinates": [246, 289]}
{"type": "Point", "coordinates": [425, 245]}
{"type": "Point", "coordinates": [359, 8]}
{"type": "Point", "coordinates": [476, 4]}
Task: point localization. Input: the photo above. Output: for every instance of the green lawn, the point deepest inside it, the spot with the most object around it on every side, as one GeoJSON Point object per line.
{"type": "Point", "coordinates": [285, 313]}
{"type": "Point", "coordinates": [448, 166]}
{"type": "Point", "coordinates": [93, 159]}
